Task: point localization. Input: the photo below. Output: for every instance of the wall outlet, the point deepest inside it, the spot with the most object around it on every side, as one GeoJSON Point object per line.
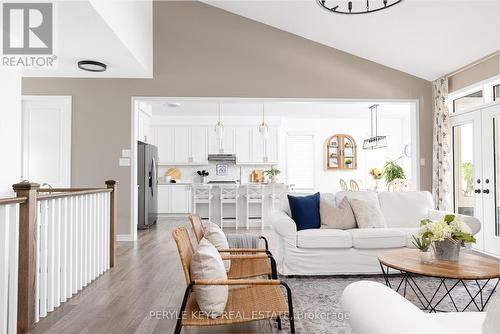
{"type": "Point", "coordinates": [124, 162]}
{"type": "Point", "coordinates": [126, 153]}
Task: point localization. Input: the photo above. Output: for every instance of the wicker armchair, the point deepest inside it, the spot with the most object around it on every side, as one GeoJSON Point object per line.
{"type": "Point", "coordinates": [255, 263]}
{"type": "Point", "coordinates": [250, 300]}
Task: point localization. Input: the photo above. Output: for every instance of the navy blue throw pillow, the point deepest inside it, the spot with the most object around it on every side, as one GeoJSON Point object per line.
{"type": "Point", "coordinates": [305, 211]}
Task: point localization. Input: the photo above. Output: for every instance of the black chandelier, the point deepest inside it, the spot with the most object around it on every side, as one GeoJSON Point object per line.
{"type": "Point", "coordinates": [346, 7]}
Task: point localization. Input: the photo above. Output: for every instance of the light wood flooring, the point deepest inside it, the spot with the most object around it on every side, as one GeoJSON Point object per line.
{"type": "Point", "coordinates": [147, 278]}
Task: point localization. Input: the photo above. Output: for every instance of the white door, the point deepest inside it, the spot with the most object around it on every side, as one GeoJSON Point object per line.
{"type": "Point", "coordinates": [46, 134]}
{"type": "Point", "coordinates": [491, 178]}
{"type": "Point", "coordinates": [467, 168]}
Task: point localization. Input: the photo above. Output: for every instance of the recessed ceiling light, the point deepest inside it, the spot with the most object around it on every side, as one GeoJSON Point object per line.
{"type": "Point", "coordinates": [174, 104]}
{"type": "Point", "coordinates": [92, 66]}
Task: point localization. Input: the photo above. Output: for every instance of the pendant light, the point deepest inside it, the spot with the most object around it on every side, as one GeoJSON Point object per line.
{"type": "Point", "coordinates": [263, 127]}
{"type": "Point", "coordinates": [219, 129]}
{"type": "Point", "coordinates": [375, 141]}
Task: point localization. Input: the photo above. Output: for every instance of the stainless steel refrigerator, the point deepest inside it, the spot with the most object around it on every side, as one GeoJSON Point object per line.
{"type": "Point", "coordinates": [147, 179]}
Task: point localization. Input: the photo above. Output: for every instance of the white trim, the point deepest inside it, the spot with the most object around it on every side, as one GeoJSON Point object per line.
{"type": "Point", "coordinates": [486, 86]}
{"type": "Point", "coordinates": [133, 161]}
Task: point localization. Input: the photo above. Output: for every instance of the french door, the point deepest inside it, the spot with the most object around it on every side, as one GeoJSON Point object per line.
{"type": "Point", "coordinates": [476, 172]}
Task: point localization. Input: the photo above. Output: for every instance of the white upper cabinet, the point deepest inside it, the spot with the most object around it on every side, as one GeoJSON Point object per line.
{"type": "Point", "coordinates": [273, 144]}
{"type": "Point", "coordinates": [199, 144]}
{"type": "Point", "coordinates": [181, 145]}
{"type": "Point", "coordinates": [164, 139]}
{"type": "Point", "coordinates": [257, 146]}
{"type": "Point", "coordinates": [243, 144]}
{"type": "Point", "coordinates": [228, 141]}
{"type": "Point", "coordinates": [144, 123]}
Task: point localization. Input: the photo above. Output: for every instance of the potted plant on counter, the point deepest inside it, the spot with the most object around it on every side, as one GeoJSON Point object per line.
{"type": "Point", "coordinates": [447, 234]}
{"type": "Point", "coordinates": [273, 174]}
{"type": "Point", "coordinates": [203, 174]}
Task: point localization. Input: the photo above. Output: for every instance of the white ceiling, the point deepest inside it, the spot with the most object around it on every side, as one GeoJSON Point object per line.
{"type": "Point", "coordinates": [422, 37]}
{"type": "Point", "coordinates": [117, 33]}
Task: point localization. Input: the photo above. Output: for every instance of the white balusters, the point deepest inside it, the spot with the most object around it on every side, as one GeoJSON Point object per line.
{"type": "Point", "coordinates": [9, 251]}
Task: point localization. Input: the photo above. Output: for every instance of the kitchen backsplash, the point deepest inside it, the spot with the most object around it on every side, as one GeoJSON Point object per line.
{"type": "Point", "coordinates": [189, 174]}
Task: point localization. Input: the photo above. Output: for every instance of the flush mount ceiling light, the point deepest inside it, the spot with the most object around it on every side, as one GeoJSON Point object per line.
{"type": "Point", "coordinates": [356, 7]}
{"type": "Point", "coordinates": [375, 141]}
{"type": "Point", "coordinates": [174, 104]}
{"type": "Point", "coordinates": [92, 66]}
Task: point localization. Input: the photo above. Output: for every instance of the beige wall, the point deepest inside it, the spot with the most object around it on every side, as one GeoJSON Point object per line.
{"type": "Point", "coordinates": [203, 51]}
{"type": "Point", "coordinates": [482, 71]}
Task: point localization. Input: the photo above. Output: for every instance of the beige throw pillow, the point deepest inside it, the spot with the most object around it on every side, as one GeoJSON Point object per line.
{"type": "Point", "coordinates": [207, 264]}
{"type": "Point", "coordinates": [340, 217]}
{"type": "Point", "coordinates": [367, 213]}
{"type": "Point", "coordinates": [216, 236]}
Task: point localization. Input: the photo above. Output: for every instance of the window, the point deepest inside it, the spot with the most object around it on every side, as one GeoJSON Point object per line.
{"type": "Point", "coordinates": [468, 101]}
{"type": "Point", "coordinates": [496, 92]}
{"type": "Point", "coordinates": [300, 161]}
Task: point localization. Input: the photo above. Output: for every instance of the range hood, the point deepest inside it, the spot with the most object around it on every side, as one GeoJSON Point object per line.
{"type": "Point", "coordinates": [222, 157]}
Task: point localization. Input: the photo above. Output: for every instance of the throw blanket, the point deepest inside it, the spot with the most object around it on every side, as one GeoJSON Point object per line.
{"type": "Point", "coordinates": [242, 241]}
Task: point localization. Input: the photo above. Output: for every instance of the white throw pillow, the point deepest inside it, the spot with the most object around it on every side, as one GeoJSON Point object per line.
{"type": "Point", "coordinates": [216, 236]}
{"type": "Point", "coordinates": [367, 213]}
{"type": "Point", "coordinates": [491, 324]}
{"type": "Point", "coordinates": [207, 264]}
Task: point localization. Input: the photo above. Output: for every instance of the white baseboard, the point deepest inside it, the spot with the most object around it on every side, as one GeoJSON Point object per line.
{"type": "Point", "coordinates": [124, 237]}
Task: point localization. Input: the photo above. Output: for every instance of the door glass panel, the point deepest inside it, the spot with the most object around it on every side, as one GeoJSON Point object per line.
{"type": "Point", "coordinates": [463, 169]}
{"type": "Point", "coordinates": [496, 92]}
{"type": "Point", "coordinates": [496, 157]}
{"type": "Point", "coordinates": [465, 102]}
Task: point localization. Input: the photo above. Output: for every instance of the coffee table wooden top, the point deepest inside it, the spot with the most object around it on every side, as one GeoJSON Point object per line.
{"type": "Point", "coordinates": [470, 266]}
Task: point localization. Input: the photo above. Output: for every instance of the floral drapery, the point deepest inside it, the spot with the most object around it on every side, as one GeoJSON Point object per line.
{"type": "Point", "coordinates": [441, 146]}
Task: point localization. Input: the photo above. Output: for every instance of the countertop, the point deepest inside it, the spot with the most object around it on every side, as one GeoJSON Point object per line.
{"type": "Point", "coordinates": [216, 184]}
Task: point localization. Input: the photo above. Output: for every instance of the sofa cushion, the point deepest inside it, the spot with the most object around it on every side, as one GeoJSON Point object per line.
{"type": "Point", "coordinates": [367, 213]}
{"type": "Point", "coordinates": [410, 232]}
{"type": "Point", "coordinates": [366, 238]}
{"type": "Point", "coordinates": [324, 238]}
{"type": "Point", "coordinates": [340, 217]}
{"type": "Point", "coordinates": [305, 211]}
{"type": "Point", "coordinates": [492, 322]}
{"type": "Point", "coordinates": [285, 205]}
{"type": "Point", "coordinates": [405, 209]}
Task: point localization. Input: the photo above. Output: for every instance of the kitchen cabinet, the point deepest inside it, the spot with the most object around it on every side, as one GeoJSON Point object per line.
{"type": "Point", "coordinates": [199, 144]}
{"type": "Point", "coordinates": [144, 123]}
{"type": "Point", "coordinates": [243, 145]}
{"type": "Point", "coordinates": [164, 140]}
{"type": "Point", "coordinates": [174, 199]}
{"type": "Point", "coordinates": [228, 140]}
{"type": "Point", "coordinates": [181, 144]}
{"type": "Point", "coordinates": [251, 147]}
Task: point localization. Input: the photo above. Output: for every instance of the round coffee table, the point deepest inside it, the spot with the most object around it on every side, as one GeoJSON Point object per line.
{"type": "Point", "coordinates": [472, 268]}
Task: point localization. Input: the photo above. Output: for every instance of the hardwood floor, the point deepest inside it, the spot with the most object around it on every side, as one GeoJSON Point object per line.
{"type": "Point", "coordinates": [139, 293]}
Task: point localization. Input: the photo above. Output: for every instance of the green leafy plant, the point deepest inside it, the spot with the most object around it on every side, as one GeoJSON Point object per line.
{"type": "Point", "coordinates": [393, 171]}
{"type": "Point", "coordinates": [423, 244]}
{"type": "Point", "coordinates": [447, 227]}
{"type": "Point", "coordinates": [273, 172]}
{"type": "Point", "coordinates": [348, 162]}
{"type": "Point", "coordinates": [468, 175]}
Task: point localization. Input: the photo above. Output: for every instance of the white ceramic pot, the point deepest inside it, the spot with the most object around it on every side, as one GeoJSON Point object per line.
{"type": "Point", "coordinates": [426, 257]}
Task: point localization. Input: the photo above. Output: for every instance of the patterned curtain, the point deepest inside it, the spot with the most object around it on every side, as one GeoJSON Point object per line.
{"type": "Point", "coordinates": [441, 146]}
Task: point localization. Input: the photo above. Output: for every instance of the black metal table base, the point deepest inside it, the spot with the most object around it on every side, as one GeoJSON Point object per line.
{"type": "Point", "coordinates": [479, 298]}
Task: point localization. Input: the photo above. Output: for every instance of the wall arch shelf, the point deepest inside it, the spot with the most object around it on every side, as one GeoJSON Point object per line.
{"type": "Point", "coordinates": [341, 152]}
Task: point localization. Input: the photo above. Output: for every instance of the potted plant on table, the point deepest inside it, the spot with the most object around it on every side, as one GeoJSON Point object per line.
{"type": "Point", "coordinates": [447, 234]}
{"type": "Point", "coordinates": [423, 244]}
{"type": "Point", "coordinates": [392, 171]}
{"type": "Point", "coordinates": [273, 174]}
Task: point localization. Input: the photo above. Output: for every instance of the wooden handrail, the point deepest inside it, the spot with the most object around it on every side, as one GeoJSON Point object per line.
{"type": "Point", "coordinates": [13, 200]}
{"type": "Point", "coordinates": [61, 190]}
{"type": "Point", "coordinates": [74, 193]}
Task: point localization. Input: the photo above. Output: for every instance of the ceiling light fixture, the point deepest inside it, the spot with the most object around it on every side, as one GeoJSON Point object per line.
{"type": "Point", "coordinates": [174, 104]}
{"type": "Point", "coordinates": [263, 127]}
{"type": "Point", "coordinates": [219, 129]}
{"type": "Point", "coordinates": [360, 7]}
{"type": "Point", "coordinates": [375, 141]}
{"type": "Point", "coordinates": [92, 66]}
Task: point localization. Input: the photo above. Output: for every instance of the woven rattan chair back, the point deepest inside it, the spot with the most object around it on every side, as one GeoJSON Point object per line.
{"type": "Point", "coordinates": [185, 248]}
{"type": "Point", "coordinates": [343, 185]}
{"type": "Point", "coordinates": [197, 226]}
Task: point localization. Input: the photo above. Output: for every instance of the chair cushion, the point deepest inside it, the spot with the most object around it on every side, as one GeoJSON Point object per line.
{"type": "Point", "coordinates": [367, 213]}
{"type": "Point", "coordinates": [324, 238]}
{"type": "Point", "coordinates": [378, 238]}
{"type": "Point", "coordinates": [405, 209]}
{"type": "Point", "coordinates": [217, 237]}
{"type": "Point", "coordinates": [207, 264]}
{"type": "Point", "coordinates": [305, 211]}
{"type": "Point", "coordinates": [340, 217]}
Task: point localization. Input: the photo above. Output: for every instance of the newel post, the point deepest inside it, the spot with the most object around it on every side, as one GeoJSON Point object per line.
{"type": "Point", "coordinates": [112, 222]}
{"type": "Point", "coordinates": [26, 296]}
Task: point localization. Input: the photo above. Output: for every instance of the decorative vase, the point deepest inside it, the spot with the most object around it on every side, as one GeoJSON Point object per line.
{"type": "Point", "coordinates": [447, 250]}
{"type": "Point", "coordinates": [273, 179]}
{"type": "Point", "coordinates": [376, 188]}
{"type": "Point", "coordinates": [203, 179]}
{"type": "Point", "coordinates": [426, 257]}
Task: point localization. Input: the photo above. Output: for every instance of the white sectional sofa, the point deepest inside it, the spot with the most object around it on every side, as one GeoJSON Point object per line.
{"type": "Point", "coordinates": [354, 251]}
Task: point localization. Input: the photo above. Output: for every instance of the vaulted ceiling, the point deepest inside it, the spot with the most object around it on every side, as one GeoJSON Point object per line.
{"type": "Point", "coordinates": [424, 38]}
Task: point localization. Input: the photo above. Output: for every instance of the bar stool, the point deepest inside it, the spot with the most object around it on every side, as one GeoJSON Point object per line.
{"type": "Point", "coordinates": [228, 195]}
{"type": "Point", "coordinates": [276, 195]}
{"type": "Point", "coordinates": [202, 194]}
{"type": "Point", "coordinates": [255, 195]}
